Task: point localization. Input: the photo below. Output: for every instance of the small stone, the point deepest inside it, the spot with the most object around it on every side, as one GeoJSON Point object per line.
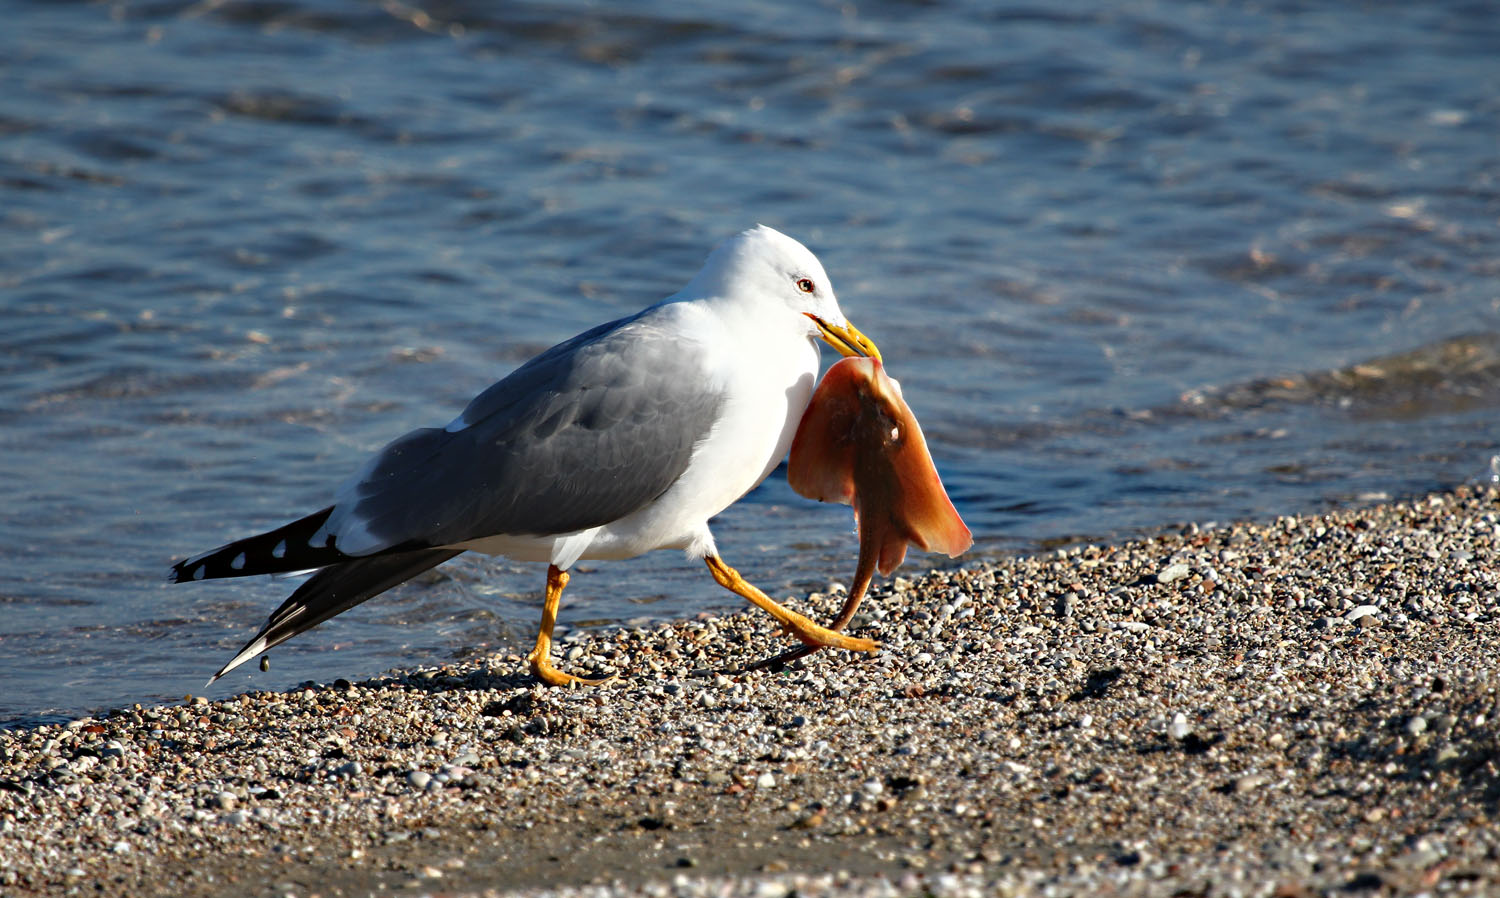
{"type": "Point", "coordinates": [1178, 729]}
{"type": "Point", "coordinates": [418, 779]}
{"type": "Point", "coordinates": [765, 781]}
{"type": "Point", "coordinates": [872, 787]}
{"type": "Point", "coordinates": [1172, 573]}
{"type": "Point", "coordinates": [1417, 725]}
{"type": "Point", "coordinates": [810, 821]}
{"type": "Point", "coordinates": [225, 801]}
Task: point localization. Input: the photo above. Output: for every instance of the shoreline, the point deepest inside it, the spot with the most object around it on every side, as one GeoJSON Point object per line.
{"type": "Point", "coordinates": [1297, 707]}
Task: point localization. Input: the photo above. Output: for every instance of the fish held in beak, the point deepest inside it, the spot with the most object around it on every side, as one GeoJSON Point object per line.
{"type": "Point", "coordinates": [859, 444]}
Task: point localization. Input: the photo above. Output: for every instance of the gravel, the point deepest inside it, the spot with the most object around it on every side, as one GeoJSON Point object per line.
{"type": "Point", "coordinates": [1307, 706]}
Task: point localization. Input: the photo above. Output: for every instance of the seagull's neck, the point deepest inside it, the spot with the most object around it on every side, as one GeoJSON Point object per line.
{"type": "Point", "coordinates": [753, 315]}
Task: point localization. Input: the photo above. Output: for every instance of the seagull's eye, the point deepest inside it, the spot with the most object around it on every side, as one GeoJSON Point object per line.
{"type": "Point", "coordinates": [806, 285]}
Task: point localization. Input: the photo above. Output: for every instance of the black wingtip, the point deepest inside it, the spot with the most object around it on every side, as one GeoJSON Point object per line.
{"type": "Point", "coordinates": [287, 548]}
{"type": "Point", "coordinates": [182, 571]}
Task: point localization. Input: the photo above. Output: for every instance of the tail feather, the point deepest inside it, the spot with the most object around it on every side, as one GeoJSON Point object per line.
{"type": "Point", "coordinates": [287, 548]}
{"type": "Point", "coordinates": [334, 590]}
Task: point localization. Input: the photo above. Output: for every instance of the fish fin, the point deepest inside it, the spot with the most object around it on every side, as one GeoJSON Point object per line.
{"type": "Point", "coordinates": [821, 465]}
{"type": "Point", "coordinates": [924, 511]}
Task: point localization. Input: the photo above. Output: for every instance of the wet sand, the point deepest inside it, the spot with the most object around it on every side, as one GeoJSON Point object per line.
{"type": "Point", "coordinates": [1298, 707]}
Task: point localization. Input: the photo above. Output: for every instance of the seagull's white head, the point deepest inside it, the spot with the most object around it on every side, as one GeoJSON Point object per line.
{"type": "Point", "coordinates": [763, 265]}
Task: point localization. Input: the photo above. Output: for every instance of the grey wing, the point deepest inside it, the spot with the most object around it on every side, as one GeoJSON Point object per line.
{"type": "Point", "coordinates": [584, 434]}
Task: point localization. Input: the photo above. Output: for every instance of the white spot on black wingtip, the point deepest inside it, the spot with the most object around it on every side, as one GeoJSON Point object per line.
{"type": "Point", "coordinates": [280, 550]}
{"type": "Point", "coordinates": [187, 564]}
{"type": "Point", "coordinates": [239, 562]}
{"type": "Point", "coordinates": [198, 572]}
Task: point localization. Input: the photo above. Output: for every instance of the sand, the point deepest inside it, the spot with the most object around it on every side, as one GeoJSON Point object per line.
{"type": "Point", "coordinates": [1304, 706]}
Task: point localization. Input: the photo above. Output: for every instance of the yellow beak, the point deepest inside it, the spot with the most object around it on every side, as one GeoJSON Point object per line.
{"type": "Point", "coordinates": [847, 340]}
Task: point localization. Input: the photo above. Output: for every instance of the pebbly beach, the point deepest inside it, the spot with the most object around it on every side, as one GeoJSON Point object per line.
{"type": "Point", "coordinates": [1292, 707]}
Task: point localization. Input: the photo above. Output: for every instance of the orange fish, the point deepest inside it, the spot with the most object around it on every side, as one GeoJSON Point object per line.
{"type": "Point", "coordinates": [859, 444]}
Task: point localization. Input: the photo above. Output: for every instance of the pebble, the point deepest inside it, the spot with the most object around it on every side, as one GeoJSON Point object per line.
{"type": "Point", "coordinates": [1173, 572]}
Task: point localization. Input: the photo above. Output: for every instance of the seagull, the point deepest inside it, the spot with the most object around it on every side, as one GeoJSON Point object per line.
{"type": "Point", "coordinates": [626, 438]}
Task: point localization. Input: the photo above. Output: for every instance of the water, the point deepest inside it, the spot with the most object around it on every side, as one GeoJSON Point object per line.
{"type": "Point", "coordinates": [1135, 264]}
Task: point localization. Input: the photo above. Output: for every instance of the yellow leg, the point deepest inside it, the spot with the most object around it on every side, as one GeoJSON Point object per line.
{"type": "Point", "coordinates": [799, 626]}
{"type": "Point", "coordinates": [862, 576]}
{"type": "Point", "coordinates": [541, 656]}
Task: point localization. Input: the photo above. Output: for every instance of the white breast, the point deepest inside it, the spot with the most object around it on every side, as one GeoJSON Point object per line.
{"type": "Point", "coordinates": [768, 382]}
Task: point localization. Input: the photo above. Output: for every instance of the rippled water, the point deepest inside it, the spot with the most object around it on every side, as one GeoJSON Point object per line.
{"type": "Point", "coordinates": [1134, 263]}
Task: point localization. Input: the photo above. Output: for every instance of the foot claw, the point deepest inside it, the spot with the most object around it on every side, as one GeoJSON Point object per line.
{"type": "Point", "coordinates": [543, 670]}
{"type": "Point", "coordinates": [811, 634]}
